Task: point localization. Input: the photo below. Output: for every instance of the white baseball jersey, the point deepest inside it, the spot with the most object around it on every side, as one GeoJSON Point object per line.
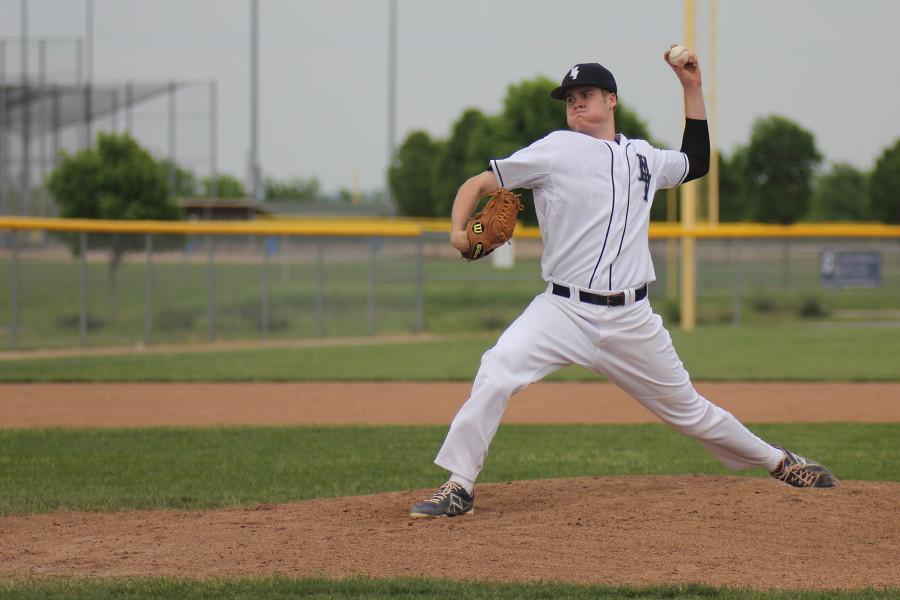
{"type": "Point", "coordinates": [592, 198]}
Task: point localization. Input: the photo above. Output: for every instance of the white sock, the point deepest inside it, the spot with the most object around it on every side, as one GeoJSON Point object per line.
{"type": "Point", "coordinates": [466, 483]}
{"type": "Point", "coordinates": [775, 459]}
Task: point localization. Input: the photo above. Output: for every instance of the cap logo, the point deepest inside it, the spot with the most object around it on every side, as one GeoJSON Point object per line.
{"type": "Point", "coordinates": [574, 73]}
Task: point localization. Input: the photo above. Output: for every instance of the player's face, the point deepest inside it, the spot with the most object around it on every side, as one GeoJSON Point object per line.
{"type": "Point", "coordinates": [589, 109]}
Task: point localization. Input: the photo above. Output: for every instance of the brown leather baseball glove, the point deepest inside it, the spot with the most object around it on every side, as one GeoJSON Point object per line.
{"type": "Point", "coordinates": [493, 226]}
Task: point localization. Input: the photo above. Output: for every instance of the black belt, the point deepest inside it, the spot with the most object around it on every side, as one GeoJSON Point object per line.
{"type": "Point", "coordinates": [600, 299]}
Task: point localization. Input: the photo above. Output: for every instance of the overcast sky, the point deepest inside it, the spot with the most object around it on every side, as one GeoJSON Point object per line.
{"type": "Point", "coordinates": [826, 64]}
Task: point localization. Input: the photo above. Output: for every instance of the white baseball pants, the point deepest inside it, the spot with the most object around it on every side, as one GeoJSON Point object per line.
{"type": "Point", "coordinates": [627, 344]}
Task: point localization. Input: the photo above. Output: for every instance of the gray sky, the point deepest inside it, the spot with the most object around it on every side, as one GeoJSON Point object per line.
{"type": "Point", "coordinates": [826, 64]}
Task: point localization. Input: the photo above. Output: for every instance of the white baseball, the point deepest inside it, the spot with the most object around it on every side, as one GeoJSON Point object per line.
{"type": "Point", "coordinates": [678, 56]}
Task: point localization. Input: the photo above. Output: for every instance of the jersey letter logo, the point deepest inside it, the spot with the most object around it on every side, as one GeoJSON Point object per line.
{"type": "Point", "coordinates": [645, 174]}
{"type": "Point", "coordinates": [574, 73]}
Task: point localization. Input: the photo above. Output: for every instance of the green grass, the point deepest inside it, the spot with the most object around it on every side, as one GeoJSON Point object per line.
{"type": "Point", "coordinates": [275, 588]}
{"type": "Point", "coordinates": [46, 470]}
{"type": "Point", "coordinates": [784, 353]}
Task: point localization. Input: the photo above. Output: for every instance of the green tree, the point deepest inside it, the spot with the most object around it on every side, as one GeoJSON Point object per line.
{"type": "Point", "coordinates": [411, 176]}
{"type": "Point", "coordinates": [529, 113]}
{"type": "Point", "coordinates": [115, 179]}
{"type": "Point", "coordinates": [227, 186]}
{"type": "Point", "coordinates": [885, 183]}
{"type": "Point", "coordinates": [777, 168]}
{"type": "Point", "coordinates": [733, 200]}
{"type": "Point", "coordinates": [456, 161]}
{"type": "Point", "coordinates": [186, 185]}
{"type": "Point", "coordinates": [297, 188]}
{"type": "Point", "coordinates": [841, 194]}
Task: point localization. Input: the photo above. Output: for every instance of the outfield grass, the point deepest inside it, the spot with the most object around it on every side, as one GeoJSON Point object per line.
{"type": "Point", "coordinates": [795, 353]}
{"type": "Point", "coordinates": [275, 588]}
{"type": "Point", "coordinates": [48, 470]}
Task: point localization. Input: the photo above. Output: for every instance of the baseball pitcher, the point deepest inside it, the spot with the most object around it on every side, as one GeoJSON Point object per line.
{"type": "Point", "coordinates": [593, 189]}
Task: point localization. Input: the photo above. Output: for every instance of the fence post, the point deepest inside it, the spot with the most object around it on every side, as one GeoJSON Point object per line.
{"type": "Point", "coordinates": [288, 244]}
{"type": "Point", "coordinates": [14, 292]}
{"type": "Point", "coordinates": [83, 289]}
{"type": "Point", "coordinates": [736, 255]}
{"type": "Point", "coordinates": [420, 284]}
{"type": "Point", "coordinates": [264, 316]}
{"type": "Point", "coordinates": [370, 305]}
{"type": "Point", "coordinates": [320, 288]}
{"type": "Point", "coordinates": [148, 324]}
{"type": "Point", "coordinates": [786, 263]}
{"type": "Point", "coordinates": [210, 291]}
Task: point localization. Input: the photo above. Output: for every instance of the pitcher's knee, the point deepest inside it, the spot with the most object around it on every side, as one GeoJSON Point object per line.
{"type": "Point", "coordinates": [494, 387]}
{"type": "Point", "coordinates": [498, 376]}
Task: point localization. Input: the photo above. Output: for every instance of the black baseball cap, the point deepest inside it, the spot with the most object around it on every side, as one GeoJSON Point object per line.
{"type": "Point", "coordinates": [586, 74]}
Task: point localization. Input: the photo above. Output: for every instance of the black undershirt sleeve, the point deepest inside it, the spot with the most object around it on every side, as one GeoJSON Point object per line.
{"type": "Point", "coordinates": [695, 143]}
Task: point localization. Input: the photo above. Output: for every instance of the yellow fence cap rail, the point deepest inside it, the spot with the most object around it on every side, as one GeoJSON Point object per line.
{"type": "Point", "coordinates": [304, 227]}
{"type": "Point", "coordinates": [755, 230]}
{"type": "Point", "coordinates": [426, 224]}
{"type": "Point", "coordinates": [765, 230]}
{"type": "Point", "coordinates": [411, 227]}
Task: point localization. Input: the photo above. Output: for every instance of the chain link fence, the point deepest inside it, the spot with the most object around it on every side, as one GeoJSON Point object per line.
{"type": "Point", "coordinates": [69, 289]}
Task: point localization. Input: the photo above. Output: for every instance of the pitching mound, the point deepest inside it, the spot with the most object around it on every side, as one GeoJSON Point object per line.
{"type": "Point", "coordinates": [723, 531]}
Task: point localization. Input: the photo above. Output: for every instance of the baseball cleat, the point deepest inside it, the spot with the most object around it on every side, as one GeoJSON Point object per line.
{"type": "Point", "coordinates": [450, 500]}
{"type": "Point", "coordinates": [803, 473]}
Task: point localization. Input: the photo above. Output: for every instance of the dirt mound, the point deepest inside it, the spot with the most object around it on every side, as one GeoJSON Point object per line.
{"type": "Point", "coordinates": [723, 531]}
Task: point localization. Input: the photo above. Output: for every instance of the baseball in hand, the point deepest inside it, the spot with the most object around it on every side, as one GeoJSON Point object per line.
{"type": "Point", "coordinates": [678, 56]}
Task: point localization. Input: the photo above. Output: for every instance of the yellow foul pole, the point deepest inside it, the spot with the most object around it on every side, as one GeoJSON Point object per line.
{"type": "Point", "coordinates": [688, 213]}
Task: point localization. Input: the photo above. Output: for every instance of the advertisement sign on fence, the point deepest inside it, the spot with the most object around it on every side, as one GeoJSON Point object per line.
{"type": "Point", "coordinates": [850, 269]}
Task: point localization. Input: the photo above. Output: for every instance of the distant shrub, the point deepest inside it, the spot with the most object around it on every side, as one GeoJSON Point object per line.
{"type": "Point", "coordinates": [812, 308]}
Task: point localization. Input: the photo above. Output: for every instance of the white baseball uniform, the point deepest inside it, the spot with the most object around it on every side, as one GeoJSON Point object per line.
{"type": "Point", "coordinates": [592, 198]}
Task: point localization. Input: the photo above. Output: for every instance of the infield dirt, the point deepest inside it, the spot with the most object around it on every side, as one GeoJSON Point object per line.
{"type": "Point", "coordinates": [723, 531]}
{"type": "Point", "coordinates": [205, 404]}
